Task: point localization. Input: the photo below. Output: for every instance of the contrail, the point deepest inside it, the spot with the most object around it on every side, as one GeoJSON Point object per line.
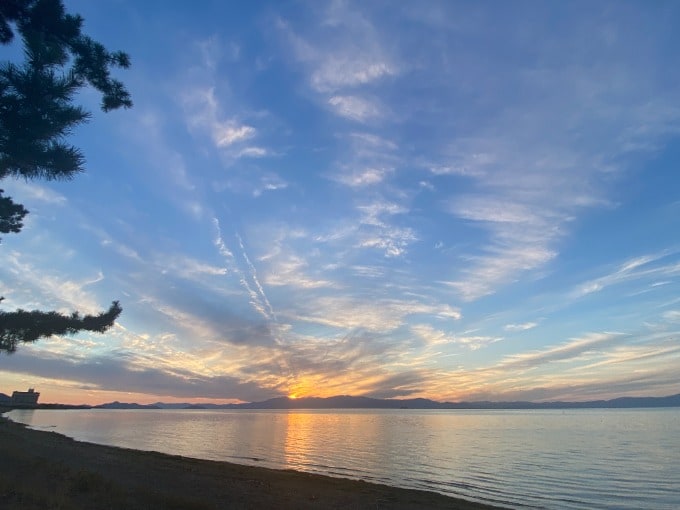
{"type": "Point", "coordinates": [258, 298]}
{"type": "Point", "coordinates": [253, 275]}
{"type": "Point", "coordinates": [232, 267]}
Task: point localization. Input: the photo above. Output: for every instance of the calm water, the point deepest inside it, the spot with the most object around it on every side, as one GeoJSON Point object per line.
{"type": "Point", "coordinates": [522, 459]}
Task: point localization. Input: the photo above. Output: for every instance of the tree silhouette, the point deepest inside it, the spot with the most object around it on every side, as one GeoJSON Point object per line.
{"type": "Point", "coordinates": [24, 326]}
{"type": "Point", "coordinates": [37, 113]}
{"type": "Point", "coordinates": [11, 215]}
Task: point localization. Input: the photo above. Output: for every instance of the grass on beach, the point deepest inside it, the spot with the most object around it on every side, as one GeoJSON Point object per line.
{"type": "Point", "coordinates": [45, 470]}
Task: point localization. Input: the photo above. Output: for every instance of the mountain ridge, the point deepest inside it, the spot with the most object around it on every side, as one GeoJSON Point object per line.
{"type": "Point", "coordinates": [352, 402]}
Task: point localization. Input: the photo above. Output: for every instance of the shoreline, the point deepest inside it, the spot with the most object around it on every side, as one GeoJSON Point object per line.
{"type": "Point", "coordinates": [41, 469]}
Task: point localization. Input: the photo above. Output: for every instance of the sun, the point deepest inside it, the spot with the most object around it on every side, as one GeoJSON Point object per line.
{"type": "Point", "coordinates": [292, 396]}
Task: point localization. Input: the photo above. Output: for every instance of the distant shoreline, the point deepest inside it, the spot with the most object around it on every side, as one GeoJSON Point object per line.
{"type": "Point", "coordinates": [40, 469]}
{"type": "Point", "coordinates": [350, 402]}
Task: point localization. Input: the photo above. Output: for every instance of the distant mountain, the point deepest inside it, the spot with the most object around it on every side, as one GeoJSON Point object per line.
{"type": "Point", "coordinates": [349, 402]}
{"type": "Point", "coordinates": [124, 405]}
{"type": "Point", "coordinates": [188, 405]}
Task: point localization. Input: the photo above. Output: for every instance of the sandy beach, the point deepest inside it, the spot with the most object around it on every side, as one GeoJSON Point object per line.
{"type": "Point", "coordinates": [41, 469]}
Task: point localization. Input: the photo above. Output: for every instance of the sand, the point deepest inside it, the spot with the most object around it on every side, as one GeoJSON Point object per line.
{"type": "Point", "coordinates": [43, 470]}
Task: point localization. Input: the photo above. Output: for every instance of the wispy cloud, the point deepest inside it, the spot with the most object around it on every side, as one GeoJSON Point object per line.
{"type": "Point", "coordinates": [384, 315]}
{"type": "Point", "coordinates": [188, 267]}
{"type": "Point", "coordinates": [121, 249]}
{"type": "Point", "coordinates": [203, 114]}
{"type": "Point", "coordinates": [269, 182]}
{"type": "Point", "coordinates": [378, 233]}
{"type": "Point", "coordinates": [167, 168]}
{"type": "Point", "coordinates": [226, 134]}
{"type": "Point", "coordinates": [110, 372]}
{"type": "Point", "coordinates": [633, 269]}
{"type": "Point", "coordinates": [355, 108]}
{"type": "Point", "coordinates": [31, 191]}
{"type": "Point", "coordinates": [336, 72]}
{"type": "Point", "coordinates": [253, 152]}
{"type": "Point", "coordinates": [348, 54]}
{"type": "Point", "coordinates": [672, 315]}
{"type": "Point", "coordinates": [363, 177]}
{"type": "Point", "coordinates": [532, 167]}
{"type": "Point", "coordinates": [570, 350]}
{"type": "Point", "coordinates": [290, 272]}
{"type": "Point", "coordinates": [435, 337]}
{"type": "Point", "coordinates": [42, 288]}
{"type": "Point", "coordinates": [524, 326]}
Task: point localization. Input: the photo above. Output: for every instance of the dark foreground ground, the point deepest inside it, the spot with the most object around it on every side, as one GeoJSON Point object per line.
{"type": "Point", "coordinates": [45, 470]}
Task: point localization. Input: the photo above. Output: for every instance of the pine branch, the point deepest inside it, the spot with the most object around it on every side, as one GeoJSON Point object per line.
{"type": "Point", "coordinates": [11, 215]}
{"type": "Point", "coordinates": [25, 326]}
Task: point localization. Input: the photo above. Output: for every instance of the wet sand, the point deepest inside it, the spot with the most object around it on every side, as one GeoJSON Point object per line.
{"type": "Point", "coordinates": [40, 469]}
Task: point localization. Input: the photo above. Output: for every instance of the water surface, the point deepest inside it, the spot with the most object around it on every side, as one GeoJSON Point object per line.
{"type": "Point", "coordinates": [555, 459]}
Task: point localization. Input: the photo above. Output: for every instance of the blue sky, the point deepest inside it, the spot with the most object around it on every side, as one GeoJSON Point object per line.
{"type": "Point", "coordinates": [452, 200]}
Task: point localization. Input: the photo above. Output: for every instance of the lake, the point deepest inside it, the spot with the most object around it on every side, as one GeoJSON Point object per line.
{"type": "Point", "coordinates": [554, 459]}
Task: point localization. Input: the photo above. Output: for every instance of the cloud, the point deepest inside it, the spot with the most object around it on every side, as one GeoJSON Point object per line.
{"type": "Point", "coordinates": [375, 230]}
{"type": "Point", "coordinates": [355, 108]}
{"type": "Point", "coordinates": [165, 166]}
{"type": "Point", "coordinates": [459, 170]}
{"type": "Point", "coordinates": [366, 166]}
{"type": "Point", "coordinates": [117, 374]}
{"type": "Point", "coordinates": [520, 327]}
{"type": "Point", "coordinates": [672, 315]}
{"type": "Point", "coordinates": [369, 143]}
{"type": "Point", "coordinates": [203, 114]}
{"type": "Point", "coordinates": [347, 54]}
{"type": "Point", "coordinates": [253, 152]}
{"type": "Point", "coordinates": [227, 133]}
{"type": "Point", "coordinates": [482, 209]}
{"type": "Point", "coordinates": [26, 192]}
{"type": "Point", "coordinates": [336, 72]}
{"type": "Point", "coordinates": [392, 241]}
{"type": "Point", "coordinates": [529, 164]}
{"type": "Point", "coordinates": [379, 315]}
{"type": "Point", "coordinates": [254, 183]}
{"type": "Point", "coordinates": [368, 271]}
{"type": "Point", "coordinates": [400, 385]}
{"type": "Point", "coordinates": [364, 177]}
{"type": "Point", "coordinates": [435, 337]}
{"type": "Point", "coordinates": [520, 242]}
{"type": "Point", "coordinates": [121, 249]}
{"type": "Point", "coordinates": [31, 286]}
{"type": "Point", "coordinates": [269, 182]}
{"type": "Point", "coordinates": [633, 269]}
{"type": "Point", "coordinates": [290, 272]}
{"type": "Point", "coordinates": [573, 349]}
{"type": "Point", "coordinates": [188, 267]}
{"type": "Point", "coordinates": [500, 266]}
{"type": "Point", "coordinates": [204, 320]}
{"type": "Point", "coordinates": [373, 213]}
{"type": "Point", "coordinates": [291, 260]}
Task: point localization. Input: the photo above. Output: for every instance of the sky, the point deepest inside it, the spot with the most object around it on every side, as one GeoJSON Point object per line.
{"type": "Point", "coordinates": [450, 200]}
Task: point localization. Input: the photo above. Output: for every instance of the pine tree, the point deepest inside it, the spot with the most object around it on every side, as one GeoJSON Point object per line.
{"type": "Point", "coordinates": [23, 326]}
{"type": "Point", "coordinates": [37, 113]}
